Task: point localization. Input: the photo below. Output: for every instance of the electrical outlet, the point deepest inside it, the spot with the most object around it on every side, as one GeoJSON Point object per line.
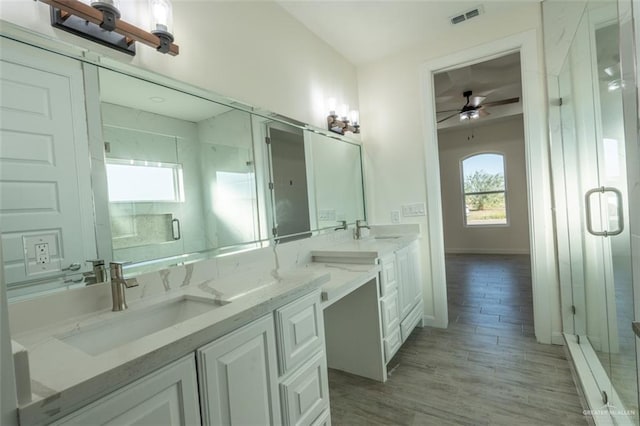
{"type": "Point", "coordinates": [395, 216]}
{"type": "Point", "coordinates": [42, 254]}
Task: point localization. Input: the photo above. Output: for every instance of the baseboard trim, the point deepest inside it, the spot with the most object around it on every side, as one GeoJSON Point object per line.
{"type": "Point", "coordinates": [432, 321]}
{"type": "Point", "coordinates": [557, 338]}
{"type": "Point", "coordinates": [485, 251]}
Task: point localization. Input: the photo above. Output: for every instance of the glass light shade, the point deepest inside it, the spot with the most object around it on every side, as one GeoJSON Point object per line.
{"type": "Point", "coordinates": [161, 16]}
{"type": "Point", "coordinates": [112, 3]}
{"type": "Point", "coordinates": [354, 116]}
{"type": "Point", "coordinates": [331, 105]}
{"type": "Point", "coordinates": [344, 111]}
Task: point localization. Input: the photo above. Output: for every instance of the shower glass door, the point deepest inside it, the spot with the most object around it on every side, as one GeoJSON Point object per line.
{"type": "Point", "coordinates": [590, 175]}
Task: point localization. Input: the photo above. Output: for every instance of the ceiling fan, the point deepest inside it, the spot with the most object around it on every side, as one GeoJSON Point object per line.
{"type": "Point", "coordinates": [474, 108]}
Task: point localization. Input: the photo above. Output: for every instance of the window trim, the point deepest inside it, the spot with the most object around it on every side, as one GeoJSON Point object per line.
{"type": "Point", "coordinates": [505, 192]}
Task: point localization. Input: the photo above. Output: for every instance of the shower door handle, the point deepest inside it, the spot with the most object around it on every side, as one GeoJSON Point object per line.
{"type": "Point", "coordinates": [587, 199]}
{"type": "Point", "coordinates": [175, 229]}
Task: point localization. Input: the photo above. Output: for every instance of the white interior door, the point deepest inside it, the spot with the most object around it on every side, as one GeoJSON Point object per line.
{"type": "Point", "coordinates": [45, 193]}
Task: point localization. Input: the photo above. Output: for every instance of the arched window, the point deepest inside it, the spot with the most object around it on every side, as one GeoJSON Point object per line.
{"type": "Point", "coordinates": [484, 190]}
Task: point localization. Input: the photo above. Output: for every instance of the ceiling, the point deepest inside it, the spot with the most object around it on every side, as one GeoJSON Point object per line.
{"type": "Point", "coordinates": [364, 31]}
{"type": "Point", "coordinates": [496, 79]}
{"type": "Point", "coordinates": [124, 90]}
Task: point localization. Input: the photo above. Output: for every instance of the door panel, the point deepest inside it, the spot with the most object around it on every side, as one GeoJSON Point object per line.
{"type": "Point", "coordinates": [43, 166]}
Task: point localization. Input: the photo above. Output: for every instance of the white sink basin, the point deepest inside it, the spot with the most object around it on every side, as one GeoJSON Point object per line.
{"type": "Point", "coordinates": [137, 323]}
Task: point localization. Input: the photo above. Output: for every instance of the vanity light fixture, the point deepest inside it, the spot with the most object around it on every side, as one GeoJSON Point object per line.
{"type": "Point", "coordinates": [343, 120]}
{"type": "Point", "coordinates": [101, 22]}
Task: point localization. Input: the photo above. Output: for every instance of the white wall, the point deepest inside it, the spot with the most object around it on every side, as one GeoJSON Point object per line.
{"type": "Point", "coordinates": [252, 51]}
{"type": "Point", "coordinates": [394, 133]}
{"type": "Point", "coordinates": [504, 136]}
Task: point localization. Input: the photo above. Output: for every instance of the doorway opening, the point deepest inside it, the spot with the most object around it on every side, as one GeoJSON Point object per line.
{"type": "Point", "coordinates": [483, 187]}
{"type": "Point", "coordinates": [546, 302]}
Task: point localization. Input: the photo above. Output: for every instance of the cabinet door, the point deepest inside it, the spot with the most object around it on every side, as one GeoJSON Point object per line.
{"type": "Point", "coordinates": [166, 397]}
{"type": "Point", "coordinates": [238, 376]}
{"type": "Point", "coordinates": [404, 278]}
{"type": "Point", "coordinates": [414, 285]}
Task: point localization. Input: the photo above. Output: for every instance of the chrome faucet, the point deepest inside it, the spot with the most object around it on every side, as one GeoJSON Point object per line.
{"type": "Point", "coordinates": [358, 230]}
{"type": "Point", "coordinates": [99, 273]}
{"type": "Point", "coordinates": [343, 225]}
{"type": "Point", "coordinates": [118, 285]}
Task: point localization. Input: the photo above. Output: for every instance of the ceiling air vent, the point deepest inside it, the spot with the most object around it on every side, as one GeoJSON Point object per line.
{"type": "Point", "coordinates": [464, 16]}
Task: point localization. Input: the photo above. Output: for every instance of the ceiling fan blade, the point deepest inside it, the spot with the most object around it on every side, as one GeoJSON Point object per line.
{"type": "Point", "coordinates": [477, 100]}
{"type": "Point", "coordinates": [502, 102]}
{"type": "Point", "coordinates": [445, 119]}
{"type": "Point", "coordinates": [448, 110]}
{"type": "Point", "coordinates": [483, 112]}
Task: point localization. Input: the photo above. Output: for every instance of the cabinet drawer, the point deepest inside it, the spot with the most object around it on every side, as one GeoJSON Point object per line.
{"type": "Point", "coordinates": [392, 344]}
{"type": "Point", "coordinates": [323, 419]}
{"type": "Point", "coordinates": [409, 323]}
{"type": "Point", "coordinates": [300, 331]}
{"type": "Point", "coordinates": [390, 314]}
{"type": "Point", "coordinates": [388, 279]}
{"type": "Point", "coordinates": [305, 394]}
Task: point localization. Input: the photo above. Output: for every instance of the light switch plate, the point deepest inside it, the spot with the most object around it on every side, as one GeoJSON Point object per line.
{"type": "Point", "coordinates": [327, 215]}
{"type": "Point", "coordinates": [395, 216]}
{"type": "Point", "coordinates": [415, 209]}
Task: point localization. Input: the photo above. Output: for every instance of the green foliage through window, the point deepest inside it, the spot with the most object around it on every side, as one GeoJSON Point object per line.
{"type": "Point", "coordinates": [484, 190]}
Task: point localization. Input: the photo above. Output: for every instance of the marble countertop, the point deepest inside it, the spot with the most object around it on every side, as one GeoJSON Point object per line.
{"type": "Point", "coordinates": [344, 279]}
{"type": "Point", "coordinates": [367, 249]}
{"type": "Point", "coordinates": [64, 377]}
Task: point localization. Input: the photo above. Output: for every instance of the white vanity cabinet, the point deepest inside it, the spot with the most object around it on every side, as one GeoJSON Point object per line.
{"type": "Point", "coordinates": [389, 305]}
{"type": "Point", "coordinates": [401, 296]}
{"type": "Point", "coordinates": [272, 371]}
{"type": "Point", "coordinates": [166, 396]}
{"type": "Point", "coordinates": [238, 376]}
{"type": "Point", "coordinates": [304, 386]}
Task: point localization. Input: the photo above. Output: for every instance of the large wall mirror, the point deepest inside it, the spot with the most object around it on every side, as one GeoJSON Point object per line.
{"type": "Point", "coordinates": [164, 175]}
{"type": "Point", "coordinates": [180, 171]}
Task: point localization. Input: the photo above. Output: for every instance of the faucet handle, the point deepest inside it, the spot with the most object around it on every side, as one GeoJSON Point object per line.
{"type": "Point", "coordinates": [117, 273]}
{"type": "Point", "coordinates": [96, 262]}
{"type": "Point", "coordinates": [115, 268]}
{"type": "Point", "coordinates": [343, 225]}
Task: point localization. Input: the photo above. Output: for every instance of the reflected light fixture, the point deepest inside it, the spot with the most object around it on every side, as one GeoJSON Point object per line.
{"type": "Point", "coordinates": [469, 115]}
{"type": "Point", "coordinates": [100, 21]}
{"type": "Point", "coordinates": [343, 120]}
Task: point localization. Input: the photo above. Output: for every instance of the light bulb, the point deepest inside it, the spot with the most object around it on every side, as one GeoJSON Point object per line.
{"type": "Point", "coordinates": [354, 115]}
{"type": "Point", "coordinates": [344, 111]}
{"type": "Point", "coordinates": [161, 16]}
{"type": "Point", "coordinates": [331, 106]}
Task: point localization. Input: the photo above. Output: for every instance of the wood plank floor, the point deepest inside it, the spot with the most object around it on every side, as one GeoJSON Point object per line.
{"type": "Point", "coordinates": [486, 368]}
